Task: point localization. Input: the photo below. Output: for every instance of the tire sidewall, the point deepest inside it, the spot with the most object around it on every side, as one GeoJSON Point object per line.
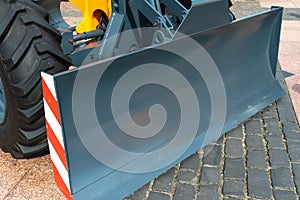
{"type": "Point", "coordinates": [8, 127]}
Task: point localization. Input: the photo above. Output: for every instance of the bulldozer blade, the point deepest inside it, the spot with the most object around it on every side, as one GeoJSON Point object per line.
{"type": "Point", "coordinates": [116, 124]}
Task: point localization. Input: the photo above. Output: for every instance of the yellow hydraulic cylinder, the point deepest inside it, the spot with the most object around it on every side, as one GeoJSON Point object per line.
{"type": "Point", "coordinates": [90, 11]}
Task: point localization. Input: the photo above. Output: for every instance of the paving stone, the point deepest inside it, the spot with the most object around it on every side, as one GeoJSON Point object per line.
{"type": "Point", "coordinates": [269, 114]}
{"type": "Point", "coordinates": [281, 177]}
{"type": "Point", "coordinates": [274, 142]}
{"type": "Point", "coordinates": [284, 104]}
{"type": "Point", "coordinates": [254, 142]}
{"type": "Point", "coordinates": [209, 192]}
{"type": "Point", "coordinates": [156, 196]}
{"type": "Point", "coordinates": [284, 194]}
{"type": "Point", "coordinates": [253, 126]}
{"type": "Point", "coordinates": [273, 129]}
{"type": "Point", "coordinates": [233, 187]}
{"type": "Point", "coordinates": [294, 150]}
{"type": "Point", "coordinates": [272, 126]}
{"type": "Point", "coordinates": [271, 120]}
{"type": "Point", "coordinates": [279, 158]}
{"type": "Point", "coordinates": [210, 175]}
{"type": "Point", "coordinates": [187, 176]}
{"type": "Point", "coordinates": [292, 135]}
{"type": "Point", "coordinates": [184, 192]}
{"type": "Point", "coordinates": [287, 127]}
{"type": "Point", "coordinates": [234, 168]}
{"type": "Point", "coordinates": [192, 162]}
{"type": "Point", "coordinates": [234, 148]}
{"type": "Point", "coordinates": [212, 155]}
{"type": "Point", "coordinates": [292, 13]}
{"type": "Point", "coordinates": [236, 133]}
{"type": "Point", "coordinates": [259, 184]}
{"type": "Point", "coordinates": [256, 159]}
{"type": "Point", "coordinates": [164, 182]}
{"type": "Point", "coordinates": [286, 115]}
{"type": "Point", "coordinates": [296, 172]}
{"type": "Point", "coordinates": [140, 194]}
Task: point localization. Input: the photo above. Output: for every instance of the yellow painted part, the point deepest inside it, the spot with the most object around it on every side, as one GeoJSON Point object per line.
{"type": "Point", "coordinates": [87, 9]}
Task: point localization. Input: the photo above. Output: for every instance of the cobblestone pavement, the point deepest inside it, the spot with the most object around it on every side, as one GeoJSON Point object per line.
{"type": "Point", "coordinates": [260, 159]}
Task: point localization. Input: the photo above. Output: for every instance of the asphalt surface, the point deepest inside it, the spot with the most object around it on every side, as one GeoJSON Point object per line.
{"type": "Point", "coordinates": [260, 159]}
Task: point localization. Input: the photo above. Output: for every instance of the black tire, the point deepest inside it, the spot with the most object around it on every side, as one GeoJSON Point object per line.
{"type": "Point", "coordinates": [28, 46]}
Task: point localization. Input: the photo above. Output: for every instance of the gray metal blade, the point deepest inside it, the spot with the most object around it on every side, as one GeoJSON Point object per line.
{"type": "Point", "coordinates": [204, 85]}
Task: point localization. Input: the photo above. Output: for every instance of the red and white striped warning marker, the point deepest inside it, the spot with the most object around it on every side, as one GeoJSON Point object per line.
{"type": "Point", "coordinates": [55, 135]}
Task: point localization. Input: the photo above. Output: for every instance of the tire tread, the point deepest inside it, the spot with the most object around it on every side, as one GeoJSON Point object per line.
{"type": "Point", "coordinates": [39, 50]}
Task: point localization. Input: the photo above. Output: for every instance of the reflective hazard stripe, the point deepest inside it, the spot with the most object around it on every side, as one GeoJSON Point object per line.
{"type": "Point", "coordinates": [55, 136]}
